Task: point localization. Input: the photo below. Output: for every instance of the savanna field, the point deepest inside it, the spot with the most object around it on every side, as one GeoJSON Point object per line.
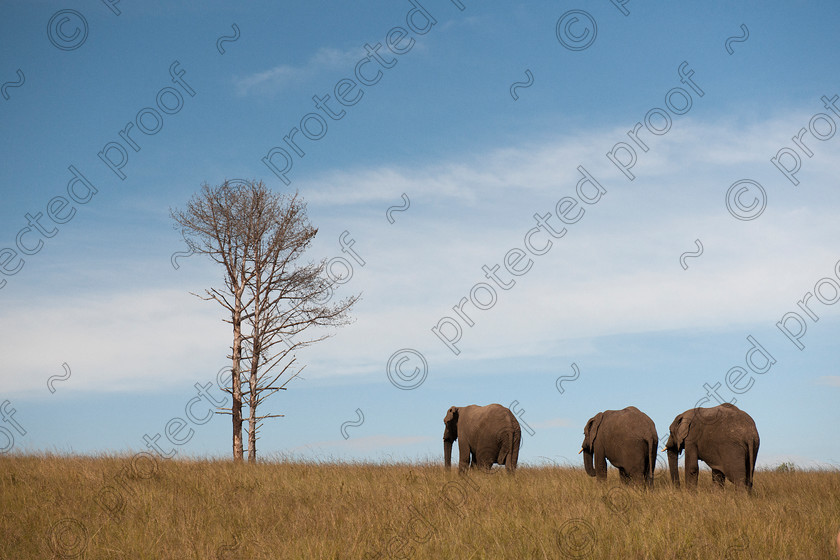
{"type": "Point", "coordinates": [113, 507]}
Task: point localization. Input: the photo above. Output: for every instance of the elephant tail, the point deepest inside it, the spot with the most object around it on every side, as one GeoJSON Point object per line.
{"type": "Point", "coordinates": [515, 439]}
{"type": "Point", "coordinates": [752, 454]}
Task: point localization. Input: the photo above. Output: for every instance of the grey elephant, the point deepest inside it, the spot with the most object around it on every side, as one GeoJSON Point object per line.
{"type": "Point", "coordinates": [627, 438]}
{"type": "Point", "coordinates": [724, 437]}
{"type": "Point", "coordinates": [486, 435]}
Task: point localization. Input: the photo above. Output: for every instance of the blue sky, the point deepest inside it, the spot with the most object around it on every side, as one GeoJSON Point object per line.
{"type": "Point", "coordinates": [477, 160]}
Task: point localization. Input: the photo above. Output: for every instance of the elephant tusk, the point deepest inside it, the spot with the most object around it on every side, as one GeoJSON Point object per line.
{"type": "Point", "coordinates": [581, 451]}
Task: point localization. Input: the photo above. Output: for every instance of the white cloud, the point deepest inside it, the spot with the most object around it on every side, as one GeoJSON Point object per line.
{"type": "Point", "coordinates": [616, 271]}
{"type": "Point", "coordinates": [691, 154]}
{"type": "Point", "coordinates": [126, 341]}
{"type": "Point", "coordinates": [275, 79]}
{"type": "Point", "coordinates": [469, 178]}
{"type": "Point", "coordinates": [619, 267]}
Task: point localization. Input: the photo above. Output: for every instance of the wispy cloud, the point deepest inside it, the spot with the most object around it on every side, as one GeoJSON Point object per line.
{"type": "Point", "coordinates": [615, 272]}
{"type": "Point", "coordinates": [830, 380]}
{"type": "Point", "coordinates": [619, 266]}
{"type": "Point", "coordinates": [130, 341]}
{"type": "Point", "coordinates": [275, 79]}
{"type": "Point", "coordinates": [693, 152]}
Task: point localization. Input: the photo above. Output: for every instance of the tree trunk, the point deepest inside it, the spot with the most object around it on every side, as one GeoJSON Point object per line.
{"type": "Point", "coordinates": [253, 378]}
{"type": "Point", "coordinates": [236, 380]}
{"type": "Point", "coordinates": [252, 416]}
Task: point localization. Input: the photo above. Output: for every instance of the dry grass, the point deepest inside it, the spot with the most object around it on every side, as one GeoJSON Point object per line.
{"type": "Point", "coordinates": [66, 507]}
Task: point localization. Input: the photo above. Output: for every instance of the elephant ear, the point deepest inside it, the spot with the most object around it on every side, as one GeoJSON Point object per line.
{"type": "Point", "coordinates": [451, 414]}
{"type": "Point", "coordinates": [592, 427]}
{"type": "Point", "coordinates": [682, 431]}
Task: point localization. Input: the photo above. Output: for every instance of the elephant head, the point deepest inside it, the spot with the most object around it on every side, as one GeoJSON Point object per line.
{"type": "Point", "coordinates": [588, 445]}
{"type": "Point", "coordinates": [698, 418]}
{"type": "Point", "coordinates": [450, 434]}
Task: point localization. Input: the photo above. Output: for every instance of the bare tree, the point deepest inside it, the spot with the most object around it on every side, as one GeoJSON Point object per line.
{"type": "Point", "coordinates": [258, 237]}
{"type": "Point", "coordinates": [285, 301]}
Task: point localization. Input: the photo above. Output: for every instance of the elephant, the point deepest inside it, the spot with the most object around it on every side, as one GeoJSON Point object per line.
{"type": "Point", "coordinates": [724, 437]}
{"type": "Point", "coordinates": [486, 435]}
{"type": "Point", "coordinates": [627, 438]}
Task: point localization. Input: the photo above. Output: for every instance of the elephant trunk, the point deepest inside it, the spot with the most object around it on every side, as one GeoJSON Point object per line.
{"type": "Point", "coordinates": [673, 466]}
{"type": "Point", "coordinates": [589, 462]}
{"type": "Point", "coordinates": [447, 454]}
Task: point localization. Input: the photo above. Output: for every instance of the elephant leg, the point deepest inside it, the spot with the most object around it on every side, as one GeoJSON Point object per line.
{"type": "Point", "coordinates": [692, 470]}
{"type": "Point", "coordinates": [718, 477]}
{"type": "Point", "coordinates": [600, 465]}
{"type": "Point", "coordinates": [481, 460]}
{"type": "Point", "coordinates": [735, 469]}
{"type": "Point", "coordinates": [637, 477]}
{"type": "Point", "coordinates": [510, 463]}
{"type": "Point", "coordinates": [463, 457]}
{"type": "Point", "coordinates": [637, 473]}
{"type": "Point", "coordinates": [625, 478]}
{"type": "Point", "coordinates": [741, 478]}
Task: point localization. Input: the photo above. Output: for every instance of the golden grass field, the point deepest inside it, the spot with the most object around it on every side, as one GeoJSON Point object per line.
{"type": "Point", "coordinates": [54, 506]}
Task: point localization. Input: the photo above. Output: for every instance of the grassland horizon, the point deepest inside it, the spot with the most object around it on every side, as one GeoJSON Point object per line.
{"type": "Point", "coordinates": [121, 506]}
